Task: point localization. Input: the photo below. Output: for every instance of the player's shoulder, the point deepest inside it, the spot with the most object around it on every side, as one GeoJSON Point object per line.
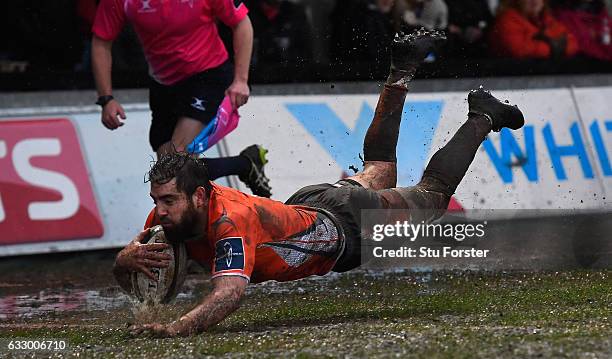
{"type": "Point", "coordinates": [230, 209]}
{"type": "Point", "coordinates": [229, 197]}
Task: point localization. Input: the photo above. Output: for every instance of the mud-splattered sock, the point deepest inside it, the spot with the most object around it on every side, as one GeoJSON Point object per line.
{"type": "Point", "coordinates": [381, 139]}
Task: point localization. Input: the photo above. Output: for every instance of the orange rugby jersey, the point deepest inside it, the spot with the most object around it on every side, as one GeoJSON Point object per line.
{"type": "Point", "coordinates": [262, 239]}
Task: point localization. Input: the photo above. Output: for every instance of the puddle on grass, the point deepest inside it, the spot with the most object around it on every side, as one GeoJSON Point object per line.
{"type": "Point", "coordinates": [53, 300]}
{"type": "Point", "coordinates": [65, 300]}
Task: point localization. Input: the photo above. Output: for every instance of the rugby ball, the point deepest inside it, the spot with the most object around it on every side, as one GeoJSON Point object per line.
{"type": "Point", "coordinates": [168, 280]}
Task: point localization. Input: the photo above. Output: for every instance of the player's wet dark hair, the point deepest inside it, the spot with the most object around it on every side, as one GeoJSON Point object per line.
{"type": "Point", "coordinates": [189, 172]}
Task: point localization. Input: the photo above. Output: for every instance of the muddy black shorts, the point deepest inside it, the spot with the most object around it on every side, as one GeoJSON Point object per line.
{"type": "Point", "coordinates": [197, 97]}
{"type": "Point", "coordinates": [344, 200]}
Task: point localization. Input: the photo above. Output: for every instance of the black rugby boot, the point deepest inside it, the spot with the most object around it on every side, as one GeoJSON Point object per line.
{"type": "Point", "coordinates": [499, 114]}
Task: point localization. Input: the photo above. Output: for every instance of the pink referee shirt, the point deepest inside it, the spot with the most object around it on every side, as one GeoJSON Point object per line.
{"type": "Point", "coordinates": [179, 37]}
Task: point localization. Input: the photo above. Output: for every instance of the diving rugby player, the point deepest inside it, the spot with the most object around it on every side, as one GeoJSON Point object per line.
{"type": "Point", "coordinates": [246, 239]}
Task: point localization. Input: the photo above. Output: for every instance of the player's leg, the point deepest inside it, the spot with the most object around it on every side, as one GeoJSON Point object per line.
{"type": "Point", "coordinates": [167, 133]}
{"type": "Point", "coordinates": [248, 165]}
{"type": "Point", "coordinates": [184, 132]}
{"type": "Point", "coordinates": [408, 51]}
{"type": "Point", "coordinates": [448, 165]}
{"type": "Point", "coordinates": [194, 103]}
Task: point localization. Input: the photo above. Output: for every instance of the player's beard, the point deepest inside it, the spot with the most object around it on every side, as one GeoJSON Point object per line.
{"type": "Point", "coordinates": [186, 228]}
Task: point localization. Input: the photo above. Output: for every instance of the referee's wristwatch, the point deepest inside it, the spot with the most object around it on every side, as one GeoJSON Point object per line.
{"type": "Point", "coordinates": [103, 100]}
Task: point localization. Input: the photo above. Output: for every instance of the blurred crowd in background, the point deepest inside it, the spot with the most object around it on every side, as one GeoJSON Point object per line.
{"type": "Point", "coordinates": [47, 43]}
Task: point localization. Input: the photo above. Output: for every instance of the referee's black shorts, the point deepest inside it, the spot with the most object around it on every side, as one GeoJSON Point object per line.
{"type": "Point", "coordinates": [197, 97]}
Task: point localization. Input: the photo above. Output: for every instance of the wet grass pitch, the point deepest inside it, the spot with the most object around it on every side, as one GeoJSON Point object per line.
{"type": "Point", "coordinates": [362, 314]}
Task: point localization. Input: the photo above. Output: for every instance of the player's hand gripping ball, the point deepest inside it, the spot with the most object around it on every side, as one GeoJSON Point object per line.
{"type": "Point", "coordinates": [168, 280]}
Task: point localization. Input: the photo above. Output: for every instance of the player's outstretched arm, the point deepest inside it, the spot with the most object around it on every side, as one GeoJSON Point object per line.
{"type": "Point", "coordinates": [216, 306]}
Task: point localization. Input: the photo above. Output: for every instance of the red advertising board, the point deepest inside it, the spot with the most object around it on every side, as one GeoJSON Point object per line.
{"type": "Point", "coordinates": [45, 192]}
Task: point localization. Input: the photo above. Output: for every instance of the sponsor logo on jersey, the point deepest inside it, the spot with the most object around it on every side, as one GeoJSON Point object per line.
{"type": "Point", "coordinates": [229, 254]}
